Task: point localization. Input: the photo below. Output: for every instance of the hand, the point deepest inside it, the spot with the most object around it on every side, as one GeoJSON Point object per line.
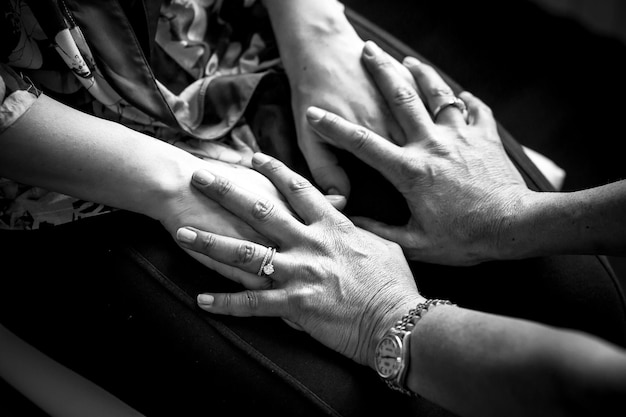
{"type": "Point", "coordinates": [334, 78]}
{"type": "Point", "coordinates": [461, 187]}
{"type": "Point", "coordinates": [190, 207]}
{"type": "Point", "coordinates": [341, 284]}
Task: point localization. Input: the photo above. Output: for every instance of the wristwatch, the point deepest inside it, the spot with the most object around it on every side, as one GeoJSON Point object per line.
{"type": "Point", "coordinates": [392, 352]}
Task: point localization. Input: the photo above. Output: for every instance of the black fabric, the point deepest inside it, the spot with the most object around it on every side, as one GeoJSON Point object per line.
{"type": "Point", "coordinates": [113, 298]}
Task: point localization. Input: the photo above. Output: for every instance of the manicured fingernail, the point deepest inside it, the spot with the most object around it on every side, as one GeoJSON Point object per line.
{"type": "Point", "coordinates": [315, 114]}
{"type": "Point", "coordinates": [370, 49]}
{"type": "Point", "coordinates": [411, 61]}
{"type": "Point", "coordinates": [260, 158]}
{"type": "Point", "coordinates": [186, 235]}
{"type": "Point", "coordinates": [205, 300]}
{"type": "Point", "coordinates": [203, 177]}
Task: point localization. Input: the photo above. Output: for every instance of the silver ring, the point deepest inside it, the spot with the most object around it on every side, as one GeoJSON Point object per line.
{"type": "Point", "coordinates": [266, 266]}
{"type": "Point", "coordinates": [456, 102]}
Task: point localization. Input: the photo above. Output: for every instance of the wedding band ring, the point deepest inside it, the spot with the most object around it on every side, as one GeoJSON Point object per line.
{"type": "Point", "coordinates": [267, 268]}
{"type": "Point", "coordinates": [455, 102]}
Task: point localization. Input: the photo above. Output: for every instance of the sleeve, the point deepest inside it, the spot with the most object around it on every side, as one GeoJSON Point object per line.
{"type": "Point", "coordinates": [17, 95]}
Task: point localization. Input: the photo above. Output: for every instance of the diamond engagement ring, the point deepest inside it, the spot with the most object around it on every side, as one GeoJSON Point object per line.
{"type": "Point", "coordinates": [266, 266]}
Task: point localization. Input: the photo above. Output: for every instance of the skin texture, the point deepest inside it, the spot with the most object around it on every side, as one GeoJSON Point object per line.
{"type": "Point", "coordinates": [327, 73]}
{"type": "Point", "coordinates": [320, 298]}
{"type": "Point", "coordinates": [468, 202]}
{"type": "Point", "coordinates": [328, 270]}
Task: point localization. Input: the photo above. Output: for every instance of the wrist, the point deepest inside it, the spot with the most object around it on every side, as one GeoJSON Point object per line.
{"type": "Point", "coordinates": [395, 353]}
{"type": "Point", "coordinates": [297, 22]}
{"type": "Point", "coordinates": [165, 196]}
{"type": "Point", "coordinates": [388, 321]}
{"type": "Point", "coordinates": [521, 229]}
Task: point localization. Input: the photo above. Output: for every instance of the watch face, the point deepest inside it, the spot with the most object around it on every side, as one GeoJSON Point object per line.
{"type": "Point", "coordinates": [389, 356]}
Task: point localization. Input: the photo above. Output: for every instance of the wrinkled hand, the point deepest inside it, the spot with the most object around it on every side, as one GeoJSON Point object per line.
{"type": "Point", "coordinates": [460, 186]}
{"type": "Point", "coordinates": [333, 77]}
{"type": "Point", "coordinates": [341, 284]}
{"type": "Point", "coordinates": [194, 209]}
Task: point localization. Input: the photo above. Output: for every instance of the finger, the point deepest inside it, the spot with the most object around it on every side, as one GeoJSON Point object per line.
{"type": "Point", "coordinates": [399, 234]}
{"type": "Point", "coordinates": [437, 93]}
{"type": "Point", "coordinates": [339, 202]}
{"type": "Point", "coordinates": [259, 212]}
{"type": "Point", "coordinates": [479, 113]}
{"type": "Point", "coordinates": [306, 200]}
{"type": "Point", "coordinates": [251, 282]}
{"type": "Point", "coordinates": [401, 96]}
{"type": "Point", "coordinates": [268, 303]}
{"type": "Point", "coordinates": [245, 255]}
{"type": "Point", "coordinates": [325, 168]}
{"type": "Point", "coordinates": [366, 145]}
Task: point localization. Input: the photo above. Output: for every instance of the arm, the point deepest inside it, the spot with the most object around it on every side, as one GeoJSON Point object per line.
{"type": "Point", "coordinates": [62, 149]}
{"type": "Point", "coordinates": [457, 169]}
{"type": "Point", "coordinates": [589, 221]}
{"type": "Point", "coordinates": [59, 148]}
{"type": "Point", "coordinates": [478, 364]}
{"type": "Point", "coordinates": [328, 272]}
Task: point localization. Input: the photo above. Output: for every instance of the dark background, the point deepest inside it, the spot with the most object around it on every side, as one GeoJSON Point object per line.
{"type": "Point", "coordinates": [557, 85]}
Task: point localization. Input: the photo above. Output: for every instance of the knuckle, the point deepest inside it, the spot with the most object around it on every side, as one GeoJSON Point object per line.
{"type": "Point", "coordinates": [222, 186]}
{"type": "Point", "coordinates": [441, 92]}
{"type": "Point", "coordinates": [409, 169]}
{"type": "Point", "coordinates": [208, 242]}
{"type": "Point", "coordinates": [383, 63]}
{"type": "Point", "coordinates": [227, 300]}
{"type": "Point", "coordinates": [360, 138]}
{"type": "Point", "coordinates": [404, 95]}
{"type": "Point", "coordinates": [332, 120]}
{"type": "Point", "coordinates": [262, 210]}
{"type": "Point", "coordinates": [250, 300]}
{"type": "Point", "coordinates": [245, 253]}
{"type": "Point", "coordinates": [273, 165]}
{"type": "Point", "coordinates": [299, 184]}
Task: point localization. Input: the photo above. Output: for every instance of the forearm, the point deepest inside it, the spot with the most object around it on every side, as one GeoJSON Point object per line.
{"type": "Point", "coordinates": [590, 221]}
{"type": "Point", "coordinates": [302, 26]}
{"type": "Point", "coordinates": [480, 364]}
{"type": "Point", "coordinates": [61, 149]}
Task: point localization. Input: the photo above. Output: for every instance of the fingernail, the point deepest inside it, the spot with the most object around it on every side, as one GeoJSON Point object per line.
{"type": "Point", "coordinates": [333, 191]}
{"type": "Point", "coordinates": [205, 300]}
{"type": "Point", "coordinates": [370, 49]}
{"type": "Point", "coordinates": [203, 177]}
{"type": "Point", "coordinates": [260, 158]}
{"type": "Point", "coordinates": [186, 235]}
{"type": "Point", "coordinates": [315, 114]}
{"type": "Point", "coordinates": [411, 61]}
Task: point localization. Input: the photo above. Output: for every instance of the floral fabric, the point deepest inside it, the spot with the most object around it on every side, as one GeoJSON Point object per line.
{"type": "Point", "coordinates": [206, 60]}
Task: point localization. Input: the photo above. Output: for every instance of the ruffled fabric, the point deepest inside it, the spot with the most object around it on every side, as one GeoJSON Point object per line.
{"type": "Point", "coordinates": [203, 66]}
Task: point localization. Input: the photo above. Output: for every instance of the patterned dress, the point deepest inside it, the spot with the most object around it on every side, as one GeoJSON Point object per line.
{"type": "Point", "coordinates": [189, 71]}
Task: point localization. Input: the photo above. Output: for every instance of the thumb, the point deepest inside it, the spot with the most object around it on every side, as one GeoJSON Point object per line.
{"type": "Point", "coordinates": [324, 166]}
{"type": "Point", "coordinates": [331, 178]}
{"type": "Point", "coordinates": [337, 201]}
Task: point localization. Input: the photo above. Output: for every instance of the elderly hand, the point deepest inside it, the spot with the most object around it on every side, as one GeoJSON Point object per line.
{"type": "Point", "coordinates": [460, 186]}
{"type": "Point", "coordinates": [341, 284]}
{"type": "Point", "coordinates": [189, 207]}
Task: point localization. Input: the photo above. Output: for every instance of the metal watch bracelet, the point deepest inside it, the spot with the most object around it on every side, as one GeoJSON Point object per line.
{"type": "Point", "coordinates": [407, 324]}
